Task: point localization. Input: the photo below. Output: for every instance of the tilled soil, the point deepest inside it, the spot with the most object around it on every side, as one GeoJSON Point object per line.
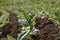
{"type": "Point", "coordinates": [13, 28]}
{"type": "Point", "coordinates": [48, 29]}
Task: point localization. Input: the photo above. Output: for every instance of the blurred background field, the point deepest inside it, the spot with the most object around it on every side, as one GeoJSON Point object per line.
{"type": "Point", "coordinates": [31, 5]}
{"type": "Point", "coordinates": [41, 7]}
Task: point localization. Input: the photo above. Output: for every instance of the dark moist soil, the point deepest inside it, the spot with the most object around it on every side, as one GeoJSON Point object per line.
{"type": "Point", "coordinates": [13, 28]}
{"type": "Point", "coordinates": [48, 29]}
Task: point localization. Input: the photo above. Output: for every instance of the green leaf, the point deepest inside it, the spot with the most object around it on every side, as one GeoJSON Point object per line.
{"type": "Point", "coordinates": [3, 20]}
{"type": "Point", "coordinates": [31, 21]}
{"type": "Point", "coordinates": [10, 38]}
{"type": "Point", "coordinates": [22, 35]}
{"type": "Point", "coordinates": [26, 15]}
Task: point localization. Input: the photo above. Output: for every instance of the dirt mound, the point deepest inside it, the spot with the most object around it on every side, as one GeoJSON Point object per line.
{"type": "Point", "coordinates": [48, 29]}
{"type": "Point", "coordinates": [13, 28]}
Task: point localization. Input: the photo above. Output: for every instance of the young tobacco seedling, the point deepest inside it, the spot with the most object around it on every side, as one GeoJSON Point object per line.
{"type": "Point", "coordinates": [31, 22]}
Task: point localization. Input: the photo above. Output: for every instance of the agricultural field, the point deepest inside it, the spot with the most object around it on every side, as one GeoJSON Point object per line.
{"type": "Point", "coordinates": [29, 19]}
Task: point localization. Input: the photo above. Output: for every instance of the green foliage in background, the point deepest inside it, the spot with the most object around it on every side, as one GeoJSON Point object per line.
{"type": "Point", "coordinates": [46, 7]}
{"type": "Point", "coordinates": [3, 20]}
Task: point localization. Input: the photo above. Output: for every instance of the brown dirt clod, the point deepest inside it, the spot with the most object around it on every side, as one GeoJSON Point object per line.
{"type": "Point", "coordinates": [13, 28]}
{"type": "Point", "coordinates": [48, 29]}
